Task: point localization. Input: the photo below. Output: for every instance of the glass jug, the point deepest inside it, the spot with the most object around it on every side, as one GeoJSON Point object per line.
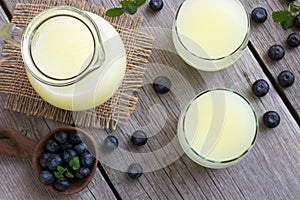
{"type": "Point", "coordinates": [74, 60]}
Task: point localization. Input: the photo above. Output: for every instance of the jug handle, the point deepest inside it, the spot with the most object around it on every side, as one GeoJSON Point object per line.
{"type": "Point", "coordinates": [11, 33]}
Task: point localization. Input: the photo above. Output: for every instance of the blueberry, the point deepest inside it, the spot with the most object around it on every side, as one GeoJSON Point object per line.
{"type": "Point", "coordinates": [139, 138]}
{"type": "Point", "coordinates": [162, 84]}
{"type": "Point", "coordinates": [286, 78]}
{"type": "Point", "coordinates": [43, 159]}
{"type": "Point", "coordinates": [293, 40]}
{"type": "Point", "coordinates": [65, 146]}
{"type": "Point", "coordinates": [87, 159]}
{"type": "Point", "coordinates": [271, 119]}
{"type": "Point", "coordinates": [111, 142]}
{"type": "Point", "coordinates": [276, 52]}
{"type": "Point", "coordinates": [62, 184]}
{"type": "Point", "coordinates": [259, 15]}
{"type": "Point", "coordinates": [297, 21]}
{"type": "Point", "coordinates": [61, 137]}
{"type": "Point", "coordinates": [80, 148]}
{"type": "Point", "coordinates": [135, 171]}
{"type": "Point", "coordinates": [156, 5]}
{"type": "Point", "coordinates": [68, 155]}
{"type": "Point", "coordinates": [74, 137]}
{"type": "Point", "coordinates": [82, 172]}
{"type": "Point", "coordinates": [52, 146]}
{"type": "Point", "coordinates": [53, 161]}
{"type": "Point", "coordinates": [46, 177]}
{"type": "Point", "coordinates": [260, 88]}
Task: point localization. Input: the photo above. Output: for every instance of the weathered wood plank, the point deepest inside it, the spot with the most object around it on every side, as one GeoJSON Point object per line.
{"type": "Point", "coordinates": [14, 171]}
{"type": "Point", "coordinates": [269, 171]}
{"type": "Point", "coordinates": [269, 33]}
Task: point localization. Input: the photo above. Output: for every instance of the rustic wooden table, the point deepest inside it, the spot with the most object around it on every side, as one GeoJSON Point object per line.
{"type": "Point", "coordinates": [270, 171]}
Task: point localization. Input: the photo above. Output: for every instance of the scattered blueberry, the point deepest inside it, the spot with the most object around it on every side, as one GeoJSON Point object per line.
{"type": "Point", "coordinates": [62, 184]}
{"type": "Point", "coordinates": [111, 142]}
{"type": "Point", "coordinates": [68, 155]}
{"type": "Point", "coordinates": [139, 138]}
{"type": "Point", "coordinates": [87, 159]}
{"type": "Point", "coordinates": [74, 137]}
{"type": "Point", "coordinates": [156, 5]}
{"type": "Point", "coordinates": [286, 78]}
{"type": "Point", "coordinates": [52, 146]}
{"type": "Point", "coordinates": [271, 119]}
{"type": "Point", "coordinates": [65, 146]}
{"type": "Point", "coordinates": [260, 88]}
{"type": "Point", "coordinates": [43, 159]}
{"type": "Point", "coordinates": [276, 52]}
{"type": "Point", "coordinates": [46, 177]}
{"type": "Point", "coordinates": [162, 84]}
{"type": "Point", "coordinates": [135, 171]}
{"type": "Point", "coordinates": [53, 161]}
{"type": "Point", "coordinates": [259, 15]}
{"type": "Point", "coordinates": [297, 21]}
{"type": "Point", "coordinates": [61, 137]}
{"type": "Point", "coordinates": [293, 40]}
{"type": "Point", "coordinates": [82, 172]}
{"type": "Point", "coordinates": [80, 148]}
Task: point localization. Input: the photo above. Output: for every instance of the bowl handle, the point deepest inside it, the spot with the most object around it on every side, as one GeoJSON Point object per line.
{"type": "Point", "coordinates": [22, 146]}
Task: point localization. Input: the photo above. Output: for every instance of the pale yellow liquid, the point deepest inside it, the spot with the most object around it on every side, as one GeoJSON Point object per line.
{"type": "Point", "coordinates": [218, 126]}
{"type": "Point", "coordinates": [63, 48]}
{"type": "Point", "coordinates": [210, 29]}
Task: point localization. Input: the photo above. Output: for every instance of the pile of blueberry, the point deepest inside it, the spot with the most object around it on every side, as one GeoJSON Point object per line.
{"type": "Point", "coordinates": [66, 159]}
{"type": "Point", "coordinates": [138, 138]}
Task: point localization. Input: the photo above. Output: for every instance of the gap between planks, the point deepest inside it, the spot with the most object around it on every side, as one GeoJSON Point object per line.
{"type": "Point", "coordinates": [274, 83]}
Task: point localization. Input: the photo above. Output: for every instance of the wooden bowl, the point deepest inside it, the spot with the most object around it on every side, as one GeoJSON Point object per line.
{"type": "Point", "coordinates": [77, 185]}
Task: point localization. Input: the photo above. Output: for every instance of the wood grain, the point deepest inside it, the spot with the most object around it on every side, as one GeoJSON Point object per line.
{"type": "Point", "coordinates": [270, 171]}
{"type": "Point", "coordinates": [272, 33]}
{"type": "Point", "coordinates": [14, 171]}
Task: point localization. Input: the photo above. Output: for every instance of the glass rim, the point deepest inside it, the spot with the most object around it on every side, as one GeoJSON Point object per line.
{"type": "Point", "coordinates": [240, 47]}
{"type": "Point", "coordinates": [182, 122]}
{"type": "Point", "coordinates": [41, 18]}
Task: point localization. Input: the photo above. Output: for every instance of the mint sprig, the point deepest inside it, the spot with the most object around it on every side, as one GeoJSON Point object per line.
{"type": "Point", "coordinates": [63, 171]}
{"type": "Point", "coordinates": [131, 6]}
{"type": "Point", "coordinates": [286, 17]}
{"type": "Point", "coordinates": [74, 163]}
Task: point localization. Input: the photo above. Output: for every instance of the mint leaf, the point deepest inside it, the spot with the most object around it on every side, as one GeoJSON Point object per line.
{"type": "Point", "coordinates": [114, 12]}
{"type": "Point", "coordinates": [294, 7]}
{"type": "Point", "coordinates": [139, 2]}
{"type": "Point", "coordinates": [125, 3]}
{"type": "Point", "coordinates": [69, 175]}
{"type": "Point", "coordinates": [282, 16]}
{"type": "Point", "coordinates": [288, 24]}
{"type": "Point", "coordinates": [131, 8]}
{"type": "Point", "coordinates": [61, 169]}
{"type": "Point", "coordinates": [74, 163]}
{"type": "Point", "coordinates": [58, 175]}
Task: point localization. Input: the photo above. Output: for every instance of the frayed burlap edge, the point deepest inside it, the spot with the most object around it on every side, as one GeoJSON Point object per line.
{"type": "Point", "coordinates": [22, 98]}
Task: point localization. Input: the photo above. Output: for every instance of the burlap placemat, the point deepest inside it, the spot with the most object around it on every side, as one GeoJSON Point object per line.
{"type": "Point", "coordinates": [22, 98]}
